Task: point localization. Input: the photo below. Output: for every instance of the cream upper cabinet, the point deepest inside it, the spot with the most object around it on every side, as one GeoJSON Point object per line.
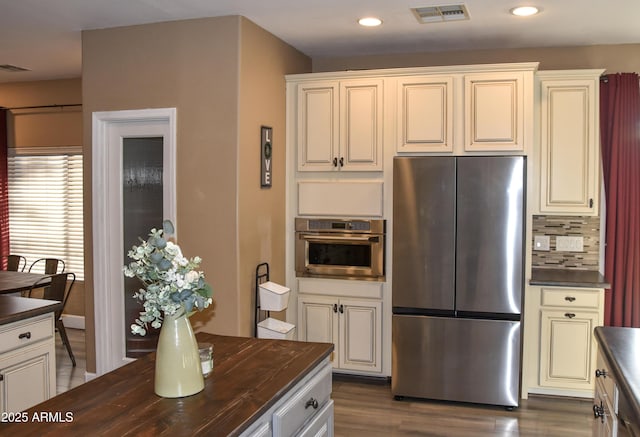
{"type": "Point", "coordinates": [339, 125]}
{"type": "Point", "coordinates": [569, 172]}
{"type": "Point", "coordinates": [494, 117]}
{"type": "Point", "coordinates": [425, 114]}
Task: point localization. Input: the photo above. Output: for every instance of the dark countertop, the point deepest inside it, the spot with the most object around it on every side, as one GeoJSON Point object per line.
{"type": "Point", "coordinates": [621, 349]}
{"type": "Point", "coordinates": [249, 376]}
{"type": "Point", "coordinates": [14, 308]}
{"type": "Point", "coordinates": [568, 278]}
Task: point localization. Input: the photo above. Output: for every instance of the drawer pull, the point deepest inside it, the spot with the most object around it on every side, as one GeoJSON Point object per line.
{"type": "Point", "coordinates": [311, 403]}
{"type": "Point", "coordinates": [570, 298]}
{"type": "Point", "coordinates": [600, 373]}
{"type": "Point", "coordinates": [26, 335]}
{"type": "Point", "coordinates": [569, 315]}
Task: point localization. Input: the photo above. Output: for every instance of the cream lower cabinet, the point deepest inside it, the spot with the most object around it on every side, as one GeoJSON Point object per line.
{"type": "Point", "coordinates": [27, 363]}
{"type": "Point", "coordinates": [569, 163]}
{"type": "Point", "coordinates": [562, 356]}
{"type": "Point", "coordinates": [567, 348]}
{"type": "Point", "coordinates": [354, 326]}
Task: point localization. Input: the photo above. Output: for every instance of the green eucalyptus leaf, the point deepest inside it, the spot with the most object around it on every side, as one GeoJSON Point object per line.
{"type": "Point", "coordinates": [167, 227]}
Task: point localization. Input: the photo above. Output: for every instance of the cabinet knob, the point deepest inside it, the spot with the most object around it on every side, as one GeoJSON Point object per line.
{"type": "Point", "coordinates": [335, 162]}
{"type": "Point", "coordinates": [335, 307]}
{"type": "Point", "coordinates": [569, 315]}
{"type": "Point", "coordinates": [311, 403]}
{"type": "Point", "coordinates": [590, 203]}
{"type": "Point", "coordinates": [598, 411]}
{"type": "Point", "coordinates": [341, 309]}
{"type": "Point", "coordinates": [341, 162]}
{"type": "Point", "coordinates": [600, 373]}
{"type": "Point", "coordinates": [26, 335]}
{"type": "Point", "coordinates": [570, 298]}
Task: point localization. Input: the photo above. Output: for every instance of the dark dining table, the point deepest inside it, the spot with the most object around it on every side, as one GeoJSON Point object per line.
{"type": "Point", "coordinates": [11, 282]}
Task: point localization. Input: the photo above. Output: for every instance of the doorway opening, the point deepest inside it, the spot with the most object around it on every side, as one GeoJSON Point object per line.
{"type": "Point", "coordinates": [134, 186]}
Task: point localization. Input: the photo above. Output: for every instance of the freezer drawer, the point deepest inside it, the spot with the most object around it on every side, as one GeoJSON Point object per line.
{"type": "Point", "coordinates": [456, 359]}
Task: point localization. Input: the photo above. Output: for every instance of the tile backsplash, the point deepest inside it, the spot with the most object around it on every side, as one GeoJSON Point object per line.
{"type": "Point", "coordinates": [571, 226]}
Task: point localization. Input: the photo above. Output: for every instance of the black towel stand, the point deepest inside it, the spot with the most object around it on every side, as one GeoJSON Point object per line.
{"type": "Point", "coordinates": [260, 279]}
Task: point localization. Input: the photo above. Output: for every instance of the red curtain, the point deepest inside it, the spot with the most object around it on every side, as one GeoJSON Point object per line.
{"type": "Point", "coordinates": [4, 186]}
{"type": "Point", "coordinates": [620, 141]}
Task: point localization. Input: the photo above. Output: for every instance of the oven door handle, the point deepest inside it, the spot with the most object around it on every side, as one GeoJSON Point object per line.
{"type": "Point", "coordinates": [339, 239]}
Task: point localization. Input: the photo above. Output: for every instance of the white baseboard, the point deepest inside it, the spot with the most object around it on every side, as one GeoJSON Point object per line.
{"type": "Point", "coordinates": [74, 322]}
{"type": "Point", "coordinates": [88, 376]}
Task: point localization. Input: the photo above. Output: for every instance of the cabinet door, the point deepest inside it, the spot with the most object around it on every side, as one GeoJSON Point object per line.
{"type": "Point", "coordinates": [360, 125]}
{"type": "Point", "coordinates": [567, 348]}
{"type": "Point", "coordinates": [317, 124]}
{"type": "Point", "coordinates": [360, 340]}
{"type": "Point", "coordinates": [317, 319]}
{"type": "Point", "coordinates": [569, 161]}
{"type": "Point", "coordinates": [26, 377]}
{"type": "Point", "coordinates": [425, 114]}
{"type": "Point", "coordinates": [494, 112]}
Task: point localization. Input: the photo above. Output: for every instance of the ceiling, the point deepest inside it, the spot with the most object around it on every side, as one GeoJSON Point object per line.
{"type": "Point", "coordinates": [44, 36]}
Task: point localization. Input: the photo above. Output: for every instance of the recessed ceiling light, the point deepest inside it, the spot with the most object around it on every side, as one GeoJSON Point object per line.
{"type": "Point", "coordinates": [525, 11]}
{"type": "Point", "coordinates": [370, 21]}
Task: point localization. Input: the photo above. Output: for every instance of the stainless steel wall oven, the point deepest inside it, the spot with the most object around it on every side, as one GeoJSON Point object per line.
{"type": "Point", "coordinates": [340, 248]}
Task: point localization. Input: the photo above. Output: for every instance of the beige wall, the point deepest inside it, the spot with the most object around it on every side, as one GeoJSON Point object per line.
{"type": "Point", "coordinates": [615, 58]}
{"type": "Point", "coordinates": [42, 127]}
{"type": "Point", "coordinates": [200, 68]}
{"type": "Point", "coordinates": [46, 127]}
{"type": "Point", "coordinates": [264, 60]}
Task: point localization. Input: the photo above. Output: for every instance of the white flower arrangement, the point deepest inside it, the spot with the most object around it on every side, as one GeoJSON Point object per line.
{"type": "Point", "coordinates": [171, 281]}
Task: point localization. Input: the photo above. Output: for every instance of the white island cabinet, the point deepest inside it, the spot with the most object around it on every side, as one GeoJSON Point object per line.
{"type": "Point", "coordinates": [27, 352]}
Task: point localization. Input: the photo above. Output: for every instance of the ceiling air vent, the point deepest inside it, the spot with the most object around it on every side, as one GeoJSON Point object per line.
{"type": "Point", "coordinates": [12, 68]}
{"type": "Point", "coordinates": [438, 14]}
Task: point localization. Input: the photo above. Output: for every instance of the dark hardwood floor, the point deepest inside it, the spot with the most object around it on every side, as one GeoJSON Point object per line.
{"type": "Point", "coordinates": [365, 408]}
{"type": "Point", "coordinates": [368, 408]}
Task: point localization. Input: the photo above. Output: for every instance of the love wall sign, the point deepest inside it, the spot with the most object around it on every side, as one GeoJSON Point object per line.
{"type": "Point", "coordinates": [265, 156]}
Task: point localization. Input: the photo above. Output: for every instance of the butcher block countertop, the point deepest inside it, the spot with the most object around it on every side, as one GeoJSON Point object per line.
{"type": "Point", "coordinates": [568, 278]}
{"type": "Point", "coordinates": [249, 376]}
{"type": "Point", "coordinates": [15, 308]}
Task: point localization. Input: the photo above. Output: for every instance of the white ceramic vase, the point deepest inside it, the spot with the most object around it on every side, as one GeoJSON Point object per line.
{"type": "Point", "coordinates": [178, 368]}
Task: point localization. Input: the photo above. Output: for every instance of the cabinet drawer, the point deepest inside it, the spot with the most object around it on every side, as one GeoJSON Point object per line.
{"type": "Point", "coordinates": [304, 404]}
{"type": "Point", "coordinates": [570, 297]}
{"type": "Point", "coordinates": [22, 333]}
{"type": "Point", "coordinates": [322, 423]}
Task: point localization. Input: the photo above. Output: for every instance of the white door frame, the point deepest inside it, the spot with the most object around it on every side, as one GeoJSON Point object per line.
{"type": "Point", "coordinates": [109, 130]}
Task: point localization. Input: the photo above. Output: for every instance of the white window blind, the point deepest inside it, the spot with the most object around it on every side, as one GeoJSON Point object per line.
{"type": "Point", "coordinates": [45, 208]}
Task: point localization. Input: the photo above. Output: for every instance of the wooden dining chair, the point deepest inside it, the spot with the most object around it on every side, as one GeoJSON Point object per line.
{"type": "Point", "coordinates": [15, 263]}
{"type": "Point", "coordinates": [58, 289]}
{"type": "Point", "coordinates": [51, 265]}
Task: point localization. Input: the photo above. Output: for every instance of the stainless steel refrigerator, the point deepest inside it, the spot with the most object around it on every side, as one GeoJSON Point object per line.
{"type": "Point", "coordinates": [458, 229]}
